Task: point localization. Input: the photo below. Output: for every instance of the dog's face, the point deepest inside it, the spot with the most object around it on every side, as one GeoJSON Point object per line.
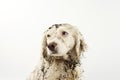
{"type": "Point", "coordinates": [60, 39]}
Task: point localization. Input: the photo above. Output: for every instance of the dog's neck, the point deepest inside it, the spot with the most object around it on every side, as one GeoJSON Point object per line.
{"type": "Point", "coordinates": [61, 66]}
{"type": "Point", "coordinates": [62, 69]}
{"type": "Point", "coordinates": [70, 62]}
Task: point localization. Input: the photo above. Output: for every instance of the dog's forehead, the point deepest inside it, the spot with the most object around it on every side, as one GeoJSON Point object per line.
{"type": "Point", "coordinates": [53, 28]}
{"type": "Point", "coordinates": [58, 27]}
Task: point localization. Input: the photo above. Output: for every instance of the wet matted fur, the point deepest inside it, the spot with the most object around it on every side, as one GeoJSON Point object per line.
{"type": "Point", "coordinates": [62, 47]}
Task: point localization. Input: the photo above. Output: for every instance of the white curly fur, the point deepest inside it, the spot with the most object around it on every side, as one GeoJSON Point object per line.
{"type": "Point", "coordinates": [64, 62]}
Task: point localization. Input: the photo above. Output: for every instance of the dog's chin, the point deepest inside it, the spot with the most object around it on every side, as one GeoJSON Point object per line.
{"type": "Point", "coordinates": [56, 54]}
{"type": "Point", "coordinates": [59, 55]}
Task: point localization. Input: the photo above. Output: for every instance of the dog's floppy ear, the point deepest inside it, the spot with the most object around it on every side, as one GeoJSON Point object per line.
{"type": "Point", "coordinates": [44, 44]}
{"type": "Point", "coordinates": [80, 44]}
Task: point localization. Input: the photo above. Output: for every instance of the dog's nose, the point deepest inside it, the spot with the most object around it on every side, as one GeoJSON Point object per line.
{"type": "Point", "coordinates": [52, 46]}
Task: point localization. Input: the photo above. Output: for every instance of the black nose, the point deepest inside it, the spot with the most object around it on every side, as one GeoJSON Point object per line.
{"type": "Point", "coordinates": [52, 46]}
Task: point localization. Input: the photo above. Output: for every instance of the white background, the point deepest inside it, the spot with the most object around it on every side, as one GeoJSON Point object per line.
{"type": "Point", "coordinates": [22, 23]}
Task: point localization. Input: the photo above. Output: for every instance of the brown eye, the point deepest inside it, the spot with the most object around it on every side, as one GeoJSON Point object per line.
{"type": "Point", "coordinates": [48, 35]}
{"type": "Point", "coordinates": [64, 33]}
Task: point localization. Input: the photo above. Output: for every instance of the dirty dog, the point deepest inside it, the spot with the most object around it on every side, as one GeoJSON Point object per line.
{"type": "Point", "coordinates": [62, 47]}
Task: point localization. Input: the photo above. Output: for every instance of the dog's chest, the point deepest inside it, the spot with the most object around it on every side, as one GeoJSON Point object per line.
{"type": "Point", "coordinates": [57, 72]}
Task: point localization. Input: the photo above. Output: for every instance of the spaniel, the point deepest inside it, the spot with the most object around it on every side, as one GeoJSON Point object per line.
{"type": "Point", "coordinates": [62, 47]}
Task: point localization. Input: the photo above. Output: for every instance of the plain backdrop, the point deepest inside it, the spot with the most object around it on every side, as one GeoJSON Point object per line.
{"type": "Point", "coordinates": [22, 23]}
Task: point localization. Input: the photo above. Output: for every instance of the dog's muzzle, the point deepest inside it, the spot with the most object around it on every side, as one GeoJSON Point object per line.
{"type": "Point", "coordinates": [52, 46]}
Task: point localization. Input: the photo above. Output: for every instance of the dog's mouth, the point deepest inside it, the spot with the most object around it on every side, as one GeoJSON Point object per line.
{"type": "Point", "coordinates": [54, 52]}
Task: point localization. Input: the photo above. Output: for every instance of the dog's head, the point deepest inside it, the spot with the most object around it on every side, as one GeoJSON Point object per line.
{"type": "Point", "coordinates": [62, 40]}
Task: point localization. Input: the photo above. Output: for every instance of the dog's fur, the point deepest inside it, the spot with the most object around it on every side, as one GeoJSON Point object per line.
{"type": "Point", "coordinates": [61, 61]}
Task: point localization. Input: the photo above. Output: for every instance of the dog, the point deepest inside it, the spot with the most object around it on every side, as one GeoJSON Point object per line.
{"type": "Point", "coordinates": [62, 47]}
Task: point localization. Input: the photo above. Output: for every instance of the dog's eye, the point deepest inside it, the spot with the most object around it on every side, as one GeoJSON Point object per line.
{"type": "Point", "coordinates": [48, 35]}
{"type": "Point", "coordinates": [64, 33]}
